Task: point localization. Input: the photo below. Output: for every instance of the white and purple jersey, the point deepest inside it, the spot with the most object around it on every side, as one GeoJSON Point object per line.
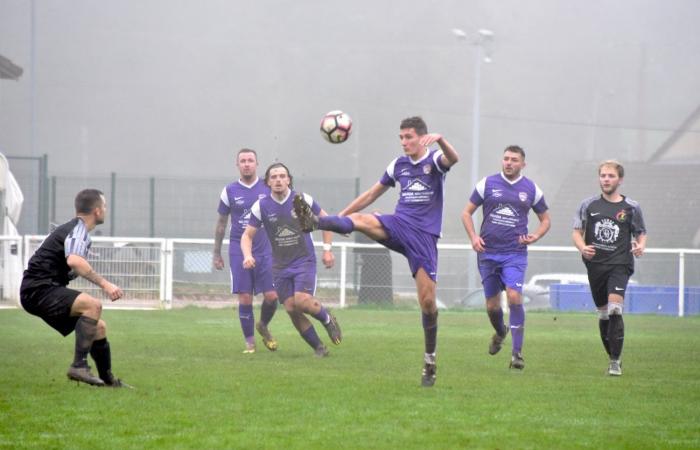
{"type": "Point", "coordinates": [506, 205]}
{"type": "Point", "coordinates": [422, 185]}
{"type": "Point", "coordinates": [236, 199]}
{"type": "Point", "coordinates": [291, 247]}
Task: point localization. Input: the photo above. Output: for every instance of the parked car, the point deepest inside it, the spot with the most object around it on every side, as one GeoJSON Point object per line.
{"type": "Point", "coordinates": [535, 291]}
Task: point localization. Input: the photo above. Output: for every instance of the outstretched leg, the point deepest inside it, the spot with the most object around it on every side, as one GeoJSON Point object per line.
{"type": "Point", "coordinates": [426, 287]}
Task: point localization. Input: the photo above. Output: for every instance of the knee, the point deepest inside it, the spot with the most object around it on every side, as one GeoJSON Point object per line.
{"type": "Point", "coordinates": [101, 329]}
{"type": "Point", "coordinates": [514, 297]}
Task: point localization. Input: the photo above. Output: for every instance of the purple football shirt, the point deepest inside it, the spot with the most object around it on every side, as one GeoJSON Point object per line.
{"type": "Point", "coordinates": [422, 185]}
{"type": "Point", "coordinates": [236, 199]}
{"type": "Point", "coordinates": [506, 206]}
{"type": "Point", "coordinates": [291, 247]}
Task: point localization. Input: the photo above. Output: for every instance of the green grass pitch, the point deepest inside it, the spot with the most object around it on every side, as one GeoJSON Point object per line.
{"type": "Point", "coordinates": [195, 389]}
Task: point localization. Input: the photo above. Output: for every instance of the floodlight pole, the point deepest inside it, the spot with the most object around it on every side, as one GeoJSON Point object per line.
{"type": "Point", "coordinates": [484, 38]}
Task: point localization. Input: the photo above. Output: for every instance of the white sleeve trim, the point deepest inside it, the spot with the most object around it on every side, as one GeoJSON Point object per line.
{"type": "Point", "coordinates": [481, 187]}
{"type": "Point", "coordinates": [224, 197]}
{"type": "Point", "coordinates": [538, 194]}
{"type": "Point", "coordinates": [308, 199]}
{"type": "Point", "coordinates": [390, 169]}
{"type": "Point", "coordinates": [436, 157]}
{"type": "Point", "coordinates": [255, 210]}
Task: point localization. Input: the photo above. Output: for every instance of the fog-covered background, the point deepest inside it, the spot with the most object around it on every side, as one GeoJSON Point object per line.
{"type": "Point", "coordinates": [172, 89]}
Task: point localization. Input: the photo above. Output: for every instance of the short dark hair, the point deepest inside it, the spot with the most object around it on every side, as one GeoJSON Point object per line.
{"type": "Point", "coordinates": [246, 150]}
{"type": "Point", "coordinates": [417, 123]}
{"type": "Point", "coordinates": [275, 166]}
{"type": "Point", "coordinates": [87, 200]}
{"type": "Point", "coordinates": [615, 165]}
{"type": "Point", "coordinates": [515, 149]}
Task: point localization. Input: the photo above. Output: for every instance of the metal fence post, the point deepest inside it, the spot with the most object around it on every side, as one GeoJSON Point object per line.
{"type": "Point", "coordinates": [681, 284]}
{"type": "Point", "coordinates": [343, 273]}
{"type": "Point", "coordinates": [113, 203]}
{"type": "Point", "coordinates": [152, 207]}
{"type": "Point", "coordinates": [167, 273]}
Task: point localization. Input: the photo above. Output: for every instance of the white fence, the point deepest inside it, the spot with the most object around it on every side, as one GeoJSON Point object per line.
{"type": "Point", "coordinates": [161, 273]}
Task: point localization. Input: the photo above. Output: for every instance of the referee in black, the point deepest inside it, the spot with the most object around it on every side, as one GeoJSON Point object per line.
{"type": "Point", "coordinates": [61, 258]}
{"type": "Point", "coordinates": [608, 230]}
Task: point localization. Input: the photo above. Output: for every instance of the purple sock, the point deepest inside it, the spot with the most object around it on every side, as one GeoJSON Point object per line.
{"type": "Point", "coordinates": [517, 326]}
{"type": "Point", "coordinates": [342, 225]}
{"type": "Point", "coordinates": [496, 318]}
{"type": "Point", "coordinates": [430, 327]}
{"type": "Point", "coordinates": [245, 315]}
{"type": "Point", "coordinates": [267, 310]}
{"type": "Point", "coordinates": [311, 337]}
{"type": "Point", "coordinates": [321, 316]}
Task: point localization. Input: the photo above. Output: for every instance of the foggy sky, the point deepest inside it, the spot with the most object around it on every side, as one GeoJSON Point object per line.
{"type": "Point", "coordinates": [174, 88]}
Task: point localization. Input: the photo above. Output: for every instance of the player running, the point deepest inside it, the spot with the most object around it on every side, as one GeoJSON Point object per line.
{"type": "Point", "coordinates": [608, 230]}
{"type": "Point", "coordinates": [414, 228]}
{"type": "Point", "coordinates": [501, 244]}
{"type": "Point", "coordinates": [44, 292]}
{"type": "Point", "coordinates": [236, 200]}
{"type": "Point", "coordinates": [293, 256]}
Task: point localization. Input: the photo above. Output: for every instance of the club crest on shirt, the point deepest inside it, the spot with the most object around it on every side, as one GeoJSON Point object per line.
{"type": "Point", "coordinates": [427, 169]}
{"type": "Point", "coordinates": [606, 231]}
{"type": "Point", "coordinates": [522, 196]}
{"type": "Point", "coordinates": [621, 215]}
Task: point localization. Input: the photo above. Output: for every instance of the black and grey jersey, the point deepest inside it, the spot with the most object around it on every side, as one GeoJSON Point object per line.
{"type": "Point", "coordinates": [49, 263]}
{"type": "Point", "coordinates": [610, 227]}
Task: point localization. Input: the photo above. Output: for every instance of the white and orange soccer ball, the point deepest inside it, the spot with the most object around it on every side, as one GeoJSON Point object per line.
{"type": "Point", "coordinates": [336, 127]}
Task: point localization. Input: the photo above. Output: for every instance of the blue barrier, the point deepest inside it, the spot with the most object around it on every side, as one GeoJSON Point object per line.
{"type": "Point", "coordinates": [638, 299]}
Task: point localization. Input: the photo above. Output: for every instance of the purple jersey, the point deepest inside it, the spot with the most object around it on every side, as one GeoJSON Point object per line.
{"type": "Point", "coordinates": [422, 190]}
{"type": "Point", "coordinates": [506, 205]}
{"type": "Point", "coordinates": [236, 199]}
{"type": "Point", "coordinates": [291, 247]}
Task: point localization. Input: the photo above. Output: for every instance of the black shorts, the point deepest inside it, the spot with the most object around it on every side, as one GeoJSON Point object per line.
{"type": "Point", "coordinates": [606, 279]}
{"type": "Point", "coordinates": [53, 304]}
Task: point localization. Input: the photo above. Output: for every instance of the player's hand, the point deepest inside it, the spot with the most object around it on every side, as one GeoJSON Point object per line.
{"type": "Point", "coordinates": [527, 239]}
{"type": "Point", "coordinates": [478, 244]}
{"type": "Point", "coordinates": [249, 262]}
{"type": "Point", "coordinates": [588, 252]}
{"type": "Point", "coordinates": [637, 250]}
{"type": "Point", "coordinates": [113, 291]}
{"type": "Point", "coordinates": [429, 139]}
{"type": "Point", "coordinates": [328, 259]}
{"type": "Point", "coordinates": [218, 262]}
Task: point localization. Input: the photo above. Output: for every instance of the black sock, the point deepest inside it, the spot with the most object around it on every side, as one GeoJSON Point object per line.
{"type": "Point", "coordinates": [616, 335]}
{"type": "Point", "coordinates": [496, 318]}
{"type": "Point", "coordinates": [603, 327]}
{"type": "Point", "coordinates": [430, 331]}
{"type": "Point", "coordinates": [102, 355]}
{"type": "Point", "coordinates": [267, 310]}
{"type": "Point", "coordinates": [85, 330]}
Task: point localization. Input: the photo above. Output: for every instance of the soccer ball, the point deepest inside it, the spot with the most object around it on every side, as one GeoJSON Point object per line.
{"type": "Point", "coordinates": [336, 127]}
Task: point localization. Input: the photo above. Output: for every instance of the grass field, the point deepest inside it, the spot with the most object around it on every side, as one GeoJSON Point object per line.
{"type": "Point", "coordinates": [194, 388]}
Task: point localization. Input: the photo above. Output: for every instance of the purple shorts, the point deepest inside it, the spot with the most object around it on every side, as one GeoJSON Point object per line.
{"type": "Point", "coordinates": [300, 278]}
{"type": "Point", "coordinates": [419, 247]}
{"type": "Point", "coordinates": [251, 281]}
{"type": "Point", "coordinates": [502, 270]}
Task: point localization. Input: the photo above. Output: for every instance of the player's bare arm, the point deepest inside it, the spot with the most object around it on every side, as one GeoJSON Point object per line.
{"type": "Point", "coordinates": [328, 256]}
{"type": "Point", "coordinates": [587, 251]}
{"type": "Point", "coordinates": [468, 222]}
{"type": "Point", "coordinates": [247, 246]}
{"type": "Point", "coordinates": [365, 199]}
{"type": "Point", "coordinates": [639, 244]}
{"type": "Point", "coordinates": [449, 155]}
{"type": "Point", "coordinates": [85, 270]}
{"type": "Point", "coordinates": [545, 224]}
{"type": "Point", "coordinates": [219, 232]}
